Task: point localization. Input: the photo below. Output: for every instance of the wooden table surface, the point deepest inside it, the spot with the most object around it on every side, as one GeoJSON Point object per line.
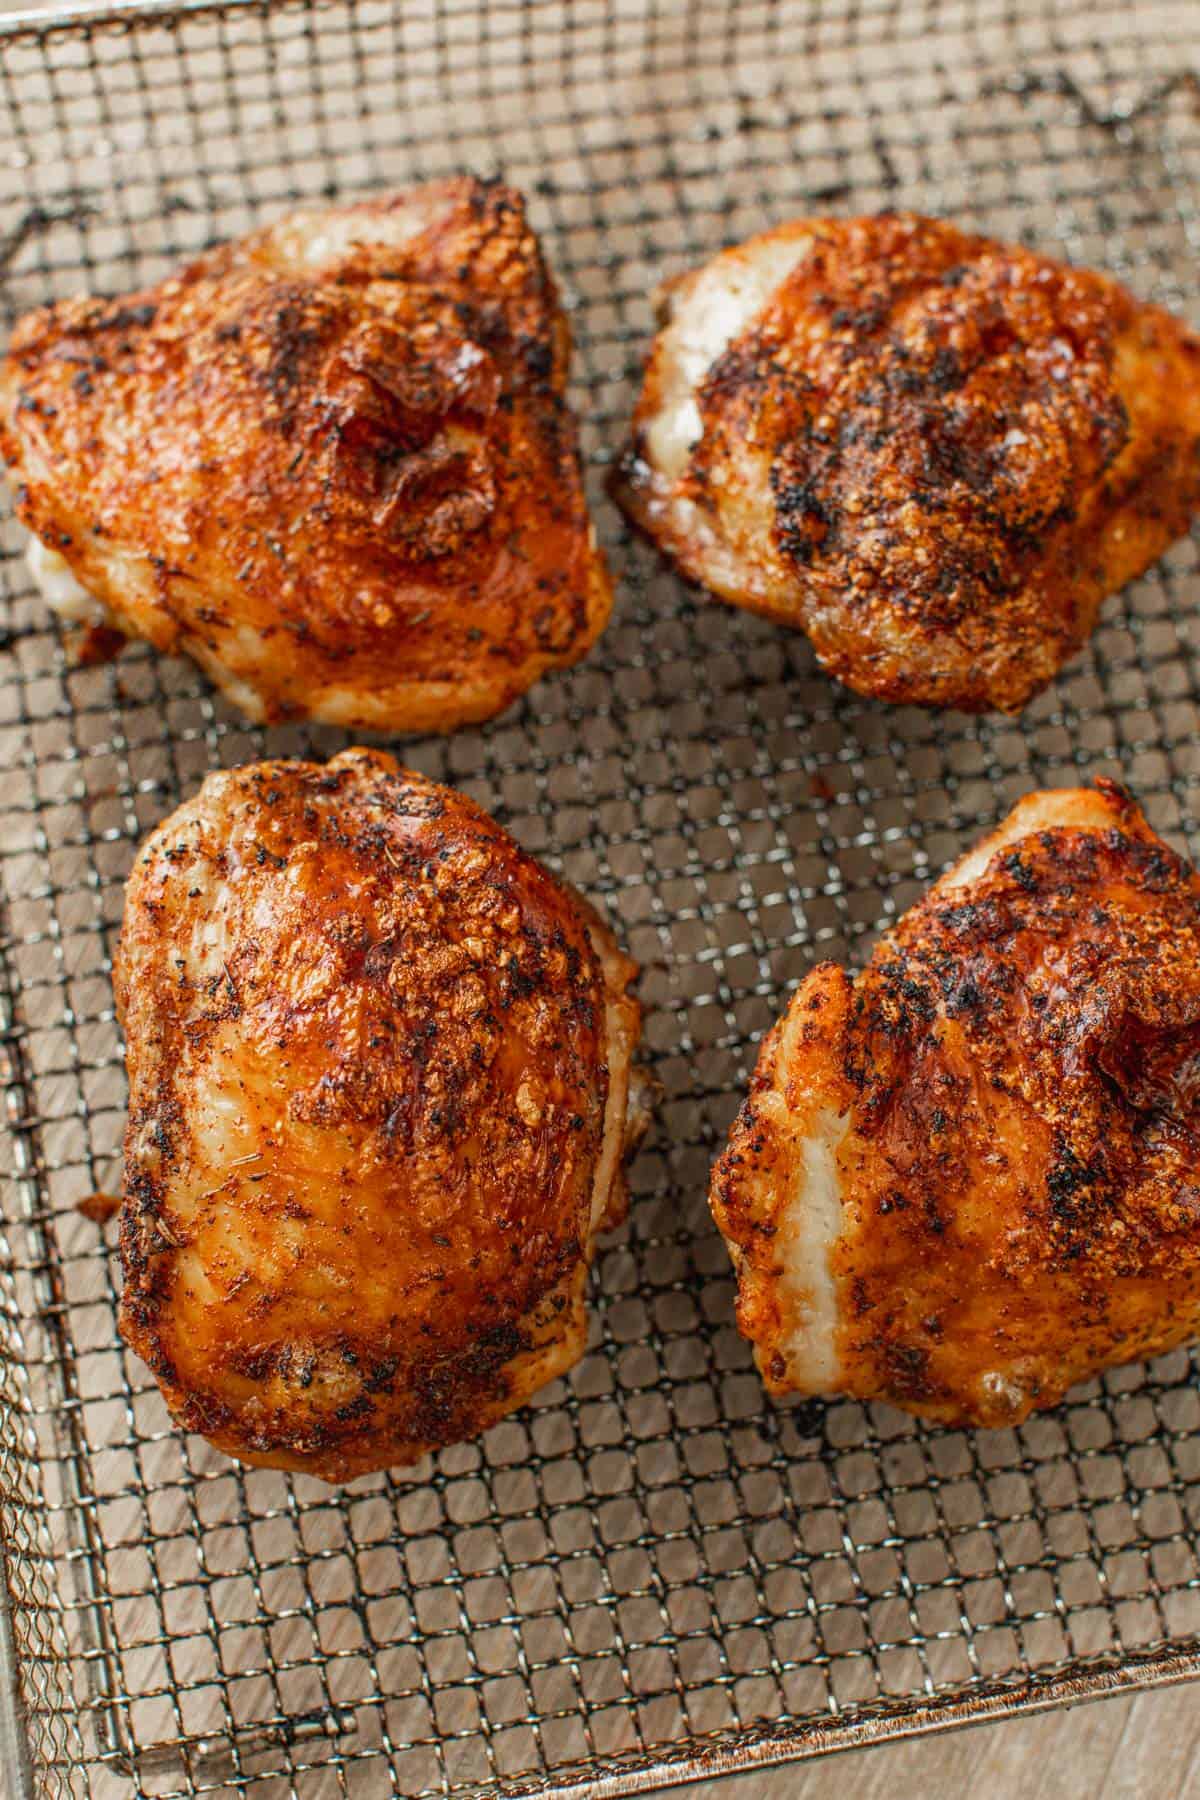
{"type": "Point", "coordinates": [1141, 1748]}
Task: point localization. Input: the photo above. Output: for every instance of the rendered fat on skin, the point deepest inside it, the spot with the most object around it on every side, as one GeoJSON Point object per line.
{"type": "Point", "coordinates": [969, 1177]}
{"type": "Point", "coordinates": [933, 453]}
{"type": "Point", "coordinates": [381, 1092]}
{"type": "Point", "coordinates": [64, 595]}
{"type": "Point", "coordinates": [333, 462]}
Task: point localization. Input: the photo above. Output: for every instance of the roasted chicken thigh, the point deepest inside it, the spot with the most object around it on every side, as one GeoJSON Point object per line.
{"type": "Point", "coordinates": [381, 1089]}
{"type": "Point", "coordinates": [333, 462]}
{"type": "Point", "coordinates": [933, 453]}
{"type": "Point", "coordinates": [970, 1177]}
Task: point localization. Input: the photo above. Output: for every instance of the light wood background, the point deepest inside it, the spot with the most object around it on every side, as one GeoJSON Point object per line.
{"type": "Point", "coordinates": [1144, 1748]}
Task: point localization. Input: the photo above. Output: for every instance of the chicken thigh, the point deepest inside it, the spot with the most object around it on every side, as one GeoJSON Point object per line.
{"type": "Point", "coordinates": [970, 1177]}
{"type": "Point", "coordinates": [381, 1090]}
{"type": "Point", "coordinates": [333, 462]}
{"type": "Point", "coordinates": [933, 453]}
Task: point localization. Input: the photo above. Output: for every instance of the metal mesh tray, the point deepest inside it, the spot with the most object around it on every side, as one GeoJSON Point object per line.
{"type": "Point", "coordinates": [650, 1573]}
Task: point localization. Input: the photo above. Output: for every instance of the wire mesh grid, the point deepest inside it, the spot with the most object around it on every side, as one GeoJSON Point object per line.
{"type": "Point", "coordinates": [650, 1571]}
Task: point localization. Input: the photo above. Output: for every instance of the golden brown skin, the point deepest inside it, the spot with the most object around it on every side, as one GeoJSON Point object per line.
{"type": "Point", "coordinates": [933, 453]}
{"type": "Point", "coordinates": [333, 461]}
{"type": "Point", "coordinates": [1007, 1102]}
{"type": "Point", "coordinates": [379, 1064]}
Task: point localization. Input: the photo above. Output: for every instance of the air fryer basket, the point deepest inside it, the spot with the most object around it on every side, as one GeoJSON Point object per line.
{"type": "Point", "coordinates": [651, 1573]}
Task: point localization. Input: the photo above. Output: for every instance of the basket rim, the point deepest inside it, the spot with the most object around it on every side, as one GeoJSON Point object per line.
{"type": "Point", "coordinates": [777, 1747]}
{"type": "Point", "coordinates": [83, 18]}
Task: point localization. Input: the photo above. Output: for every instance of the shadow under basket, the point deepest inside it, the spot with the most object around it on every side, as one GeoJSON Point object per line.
{"type": "Point", "coordinates": [650, 1573]}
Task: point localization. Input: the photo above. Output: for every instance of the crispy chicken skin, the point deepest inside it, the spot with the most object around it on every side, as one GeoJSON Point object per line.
{"type": "Point", "coordinates": [380, 1095]}
{"type": "Point", "coordinates": [970, 1177]}
{"type": "Point", "coordinates": [933, 453]}
{"type": "Point", "coordinates": [333, 462]}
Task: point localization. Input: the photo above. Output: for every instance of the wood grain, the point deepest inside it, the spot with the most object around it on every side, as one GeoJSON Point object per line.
{"type": "Point", "coordinates": [1145, 1747]}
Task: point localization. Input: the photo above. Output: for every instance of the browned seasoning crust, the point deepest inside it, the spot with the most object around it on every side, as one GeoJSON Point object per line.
{"type": "Point", "coordinates": [379, 1066]}
{"type": "Point", "coordinates": [933, 453]}
{"type": "Point", "coordinates": [1017, 1076]}
{"type": "Point", "coordinates": [332, 461]}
